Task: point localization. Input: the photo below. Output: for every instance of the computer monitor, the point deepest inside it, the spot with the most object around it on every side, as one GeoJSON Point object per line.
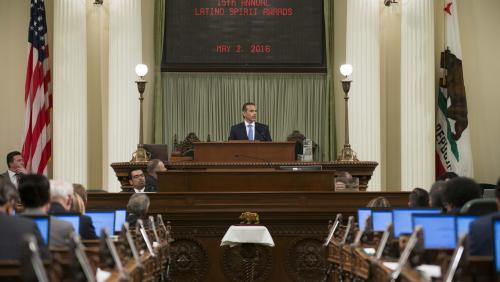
{"type": "Point", "coordinates": [120, 216]}
{"type": "Point", "coordinates": [496, 238]}
{"type": "Point", "coordinates": [439, 230]}
{"type": "Point", "coordinates": [363, 214]}
{"type": "Point", "coordinates": [43, 223]}
{"type": "Point", "coordinates": [463, 223]}
{"type": "Point", "coordinates": [157, 151]}
{"type": "Point", "coordinates": [381, 219]}
{"type": "Point", "coordinates": [102, 219]}
{"type": "Point", "coordinates": [74, 219]}
{"type": "Point", "coordinates": [401, 219]}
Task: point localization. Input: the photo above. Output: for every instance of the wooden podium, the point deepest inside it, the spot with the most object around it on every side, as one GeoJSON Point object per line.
{"type": "Point", "coordinates": [244, 151]}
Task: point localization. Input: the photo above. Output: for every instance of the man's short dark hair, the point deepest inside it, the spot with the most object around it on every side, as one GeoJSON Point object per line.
{"type": "Point", "coordinates": [244, 108]}
{"type": "Point", "coordinates": [8, 192]}
{"type": "Point", "coordinates": [436, 194]}
{"type": "Point", "coordinates": [419, 198]}
{"type": "Point", "coordinates": [132, 170]}
{"type": "Point", "coordinates": [152, 164]}
{"type": "Point", "coordinates": [34, 190]}
{"type": "Point", "coordinates": [460, 190]}
{"type": "Point", "coordinates": [447, 176]}
{"type": "Point", "coordinates": [10, 157]}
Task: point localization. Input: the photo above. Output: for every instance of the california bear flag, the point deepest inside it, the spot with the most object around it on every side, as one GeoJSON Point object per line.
{"type": "Point", "coordinates": [453, 150]}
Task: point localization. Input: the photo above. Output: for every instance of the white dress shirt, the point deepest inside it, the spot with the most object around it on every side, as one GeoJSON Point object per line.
{"type": "Point", "coordinates": [13, 177]}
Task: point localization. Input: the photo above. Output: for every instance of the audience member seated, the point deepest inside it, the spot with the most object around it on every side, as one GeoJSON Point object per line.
{"type": "Point", "coordinates": [14, 228]}
{"type": "Point", "coordinates": [419, 198]}
{"type": "Point", "coordinates": [459, 191]}
{"type": "Point", "coordinates": [481, 232]}
{"type": "Point", "coordinates": [137, 208]}
{"type": "Point", "coordinates": [61, 197]}
{"type": "Point", "coordinates": [344, 180]}
{"type": "Point", "coordinates": [35, 195]}
{"type": "Point", "coordinates": [436, 195]}
{"type": "Point", "coordinates": [81, 191]}
{"type": "Point", "coordinates": [78, 205]}
{"type": "Point", "coordinates": [138, 181]}
{"type": "Point", "coordinates": [154, 166]}
{"type": "Point", "coordinates": [379, 202]}
{"type": "Point", "coordinates": [447, 176]}
{"type": "Point", "coordinates": [16, 169]}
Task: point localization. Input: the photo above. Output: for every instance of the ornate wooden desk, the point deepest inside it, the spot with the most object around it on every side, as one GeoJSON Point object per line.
{"type": "Point", "coordinates": [297, 220]}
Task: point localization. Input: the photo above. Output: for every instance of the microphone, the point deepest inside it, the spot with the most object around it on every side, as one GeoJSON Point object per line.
{"type": "Point", "coordinates": [251, 158]}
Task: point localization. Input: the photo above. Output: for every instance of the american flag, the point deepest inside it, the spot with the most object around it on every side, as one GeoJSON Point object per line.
{"type": "Point", "coordinates": [38, 94]}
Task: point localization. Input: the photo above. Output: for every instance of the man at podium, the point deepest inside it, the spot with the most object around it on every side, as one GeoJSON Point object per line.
{"type": "Point", "coordinates": [249, 129]}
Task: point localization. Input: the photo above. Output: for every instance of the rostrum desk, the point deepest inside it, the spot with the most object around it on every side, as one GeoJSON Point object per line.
{"type": "Point", "coordinates": [208, 197]}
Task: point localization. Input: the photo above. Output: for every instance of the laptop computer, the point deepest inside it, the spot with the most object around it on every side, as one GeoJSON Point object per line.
{"type": "Point", "coordinates": [496, 243]}
{"type": "Point", "coordinates": [43, 223]}
{"type": "Point", "coordinates": [463, 223]}
{"type": "Point", "coordinates": [401, 219]}
{"type": "Point", "coordinates": [381, 219]}
{"type": "Point", "coordinates": [439, 230]}
{"type": "Point", "coordinates": [73, 218]}
{"type": "Point", "coordinates": [102, 219]}
{"type": "Point", "coordinates": [363, 214]}
{"type": "Point", "coordinates": [120, 217]}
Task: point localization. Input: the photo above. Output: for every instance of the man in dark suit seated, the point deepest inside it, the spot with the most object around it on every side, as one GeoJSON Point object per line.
{"type": "Point", "coordinates": [16, 169]}
{"type": "Point", "coordinates": [14, 228]}
{"type": "Point", "coordinates": [34, 190]}
{"type": "Point", "coordinates": [154, 166]}
{"type": "Point", "coordinates": [481, 231]}
{"type": "Point", "coordinates": [249, 129]}
{"type": "Point", "coordinates": [61, 198]}
{"type": "Point", "coordinates": [138, 181]}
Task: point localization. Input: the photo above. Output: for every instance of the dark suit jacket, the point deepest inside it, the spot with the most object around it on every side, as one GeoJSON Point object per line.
{"type": "Point", "coordinates": [87, 230]}
{"type": "Point", "coordinates": [239, 132]}
{"type": "Point", "coordinates": [6, 177]}
{"type": "Point", "coordinates": [11, 237]}
{"type": "Point", "coordinates": [150, 182]}
{"type": "Point", "coordinates": [481, 235]}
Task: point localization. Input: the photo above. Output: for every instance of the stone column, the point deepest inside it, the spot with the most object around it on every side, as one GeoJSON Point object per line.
{"type": "Point", "coordinates": [417, 94]}
{"type": "Point", "coordinates": [363, 53]}
{"type": "Point", "coordinates": [125, 52]}
{"type": "Point", "coordinates": [70, 92]}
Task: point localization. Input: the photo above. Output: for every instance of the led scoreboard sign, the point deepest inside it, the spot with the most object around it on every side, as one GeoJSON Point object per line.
{"type": "Point", "coordinates": [240, 35]}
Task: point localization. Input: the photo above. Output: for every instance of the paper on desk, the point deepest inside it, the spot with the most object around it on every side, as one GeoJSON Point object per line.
{"type": "Point", "coordinates": [102, 275]}
{"type": "Point", "coordinates": [391, 265]}
{"type": "Point", "coordinates": [430, 270]}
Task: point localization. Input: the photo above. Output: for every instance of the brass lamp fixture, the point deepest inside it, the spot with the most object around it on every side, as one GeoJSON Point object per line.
{"type": "Point", "coordinates": [346, 154]}
{"type": "Point", "coordinates": [141, 155]}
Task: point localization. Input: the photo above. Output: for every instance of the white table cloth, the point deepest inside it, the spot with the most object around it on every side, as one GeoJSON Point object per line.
{"type": "Point", "coordinates": [253, 234]}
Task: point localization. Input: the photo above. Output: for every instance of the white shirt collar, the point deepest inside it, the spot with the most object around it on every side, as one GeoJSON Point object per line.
{"type": "Point", "coordinates": [249, 123]}
{"type": "Point", "coordinates": [140, 190]}
{"type": "Point", "coordinates": [11, 173]}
